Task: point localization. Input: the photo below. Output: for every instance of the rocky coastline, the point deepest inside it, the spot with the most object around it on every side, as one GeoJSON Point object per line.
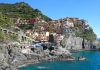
{"type": "Point", "coordinates": [21, 25]}
{"type": "Point", "coordinates": [13, 58]}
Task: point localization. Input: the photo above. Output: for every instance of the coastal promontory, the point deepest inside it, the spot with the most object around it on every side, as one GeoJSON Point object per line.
{"type": "Point", "coordinates": [27, 36]}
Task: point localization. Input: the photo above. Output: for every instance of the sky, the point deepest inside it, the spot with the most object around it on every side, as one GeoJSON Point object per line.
{"type": "Point", "coordinates": [56, 9]}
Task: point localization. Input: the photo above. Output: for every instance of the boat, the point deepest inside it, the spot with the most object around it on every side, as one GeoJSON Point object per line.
{"type": "Point", "coordinates": [70, 59]}
{"type": "Point", "coordinates": [42, 67]}
{"type": "Point", "coordinates": [81, 58]}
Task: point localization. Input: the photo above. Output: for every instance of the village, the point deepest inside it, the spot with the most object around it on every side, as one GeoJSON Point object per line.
{"type": "Point", "coordinates": [44, 31]}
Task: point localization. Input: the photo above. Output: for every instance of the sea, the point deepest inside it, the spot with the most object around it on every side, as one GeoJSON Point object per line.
{"type": "Point", "coordinates": [92, 62]}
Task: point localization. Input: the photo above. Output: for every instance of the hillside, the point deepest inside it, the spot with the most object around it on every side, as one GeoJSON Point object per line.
{"type": "Point", "coordinates": [26, 13]}
{"type": "Point", "coordinates": [9, 13]}
{"type": "Point", "coordinates": [22, 10]}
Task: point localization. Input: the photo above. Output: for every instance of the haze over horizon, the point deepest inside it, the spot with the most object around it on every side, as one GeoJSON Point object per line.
{"type": "Point", "coordinates": [56, 9]}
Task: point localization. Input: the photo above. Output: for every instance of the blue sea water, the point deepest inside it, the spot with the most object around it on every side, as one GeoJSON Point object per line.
{"type": "Point", "coordinates": [92, 63]}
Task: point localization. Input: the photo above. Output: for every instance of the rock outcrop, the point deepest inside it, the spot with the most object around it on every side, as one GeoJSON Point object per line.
{"type": "Point", "coordinates": [77, 43]}
{"type": "Point", "coordinates": [10, 57]}
{"type": "Point", "coordinates": [71, 42]}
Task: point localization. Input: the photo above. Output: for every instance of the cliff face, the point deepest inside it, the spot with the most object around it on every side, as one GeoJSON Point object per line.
{"type": "Point", "coordinates": [78, 43]}
{"type": "Point", "coordinates": [10, 57]}
{"type": "Point", "coordinates": [72, 42]}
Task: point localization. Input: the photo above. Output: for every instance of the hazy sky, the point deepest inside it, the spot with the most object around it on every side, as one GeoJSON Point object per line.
{"type": "Point", "coordinates": [56, 9]}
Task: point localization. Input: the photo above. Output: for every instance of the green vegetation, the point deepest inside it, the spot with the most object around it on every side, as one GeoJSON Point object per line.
{"type": "Point", "coordinates": [6, 38]}
{"type": "Point", "coordinates": [87, 34]}
{"type": "Point", "coordinates": [13, 37]}
{"type": "Point", "coordinates": [18, 10]}
{"type": "Point", "coordinates": [6, 22]}
{"type": "Point", "coordinates": [26, 26]}
{"type": "Point", "coordinates": [22, 10]}
{"type": "Point", "coordinates": [2, 36]}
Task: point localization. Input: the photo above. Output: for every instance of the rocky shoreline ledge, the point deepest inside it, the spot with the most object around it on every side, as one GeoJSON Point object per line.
{"type": "Point", "coordinates": [12, 57]}
{"type": "Point", "coordinates": [47, 59]}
